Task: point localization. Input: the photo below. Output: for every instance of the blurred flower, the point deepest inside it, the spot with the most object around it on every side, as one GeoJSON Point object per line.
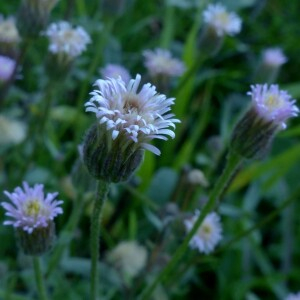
{"type": "Point", "coordinates": [64, 39]}
{"type": "Point", "coordinates": [274, 57]}
{"type": "Point", "coordinates": [209, 233]}
{"type": "Point", "coordinates": [8, 31]}
{"type": "Point", "coordinates": [271, 107]}
{"type": "Point", "coordinates": [221, 21]}
{"type": "Point", "coordinates": [293, 296]}
{"type": "Point", "coordinates": [128, 257]}
{"type": "Point", "coordinates": [196, 177]}
{"type": "Point", "coordinates": [7, 68]}
{"type": "Point", "coordinates": [161, 62]}
{"type": "Point", "coordinates": [11, 131]}
{"type": "Point", "coordinates": [30, 209]}
{"type": "Point", "coordinates": [114, 71]}
{"type": "Point", "coordinates": [127, 120]}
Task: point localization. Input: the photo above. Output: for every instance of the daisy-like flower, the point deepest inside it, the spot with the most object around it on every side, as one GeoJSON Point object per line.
{"type": "Point", "coordinates": [139, 116]}
{"type": "Point", "coordinates": [114, 71]}
{"type": "Point", "coordinates": [273, 104]}
{"type": "Point", "coordinates": [161, 62]}
{"type": "Point", "coordinates": [64, 39]}
{"type": "Point", "coordinates": [8, 31]}
{"type": "Point", "coordinates": [293, 296]}
{"type": "Point", "coordinates": [31, 209]}
{"type": "Point", "coordinates": [7, 68]}
{"type": "Point", "coordinates": [223, 22]}
{"type": "Point", "coordinates": [273, 57]}
{"type": "Point", "coordinates": [209, 233]}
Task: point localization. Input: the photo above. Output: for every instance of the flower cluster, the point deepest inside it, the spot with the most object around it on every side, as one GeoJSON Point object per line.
{"type": "Point", "coordinates": [114, 71]}
{"type": "Point", "coordinates": [273, 104]}
{"type": "Point", "coordinates": [161, 62]}
{"type": "Point", "coordinates": [140, 116]}
{"type": "Point", "coordinates": [64, 39]}
{"type": "Point", "coordinates": [30, 208]}
{"type": "Point", "coordinates": [209, 233]}
{"type": "Point", "coordinates": [274, 57]}
{"type": "Point", "coordinates": [223, 22]}
{"type": "Point", "coordinates": [7, 68]}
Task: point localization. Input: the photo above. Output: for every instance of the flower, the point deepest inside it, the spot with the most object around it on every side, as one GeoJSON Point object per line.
{"type": "Point", "coordinates": [64, 39]}
{"type": "Point", "coordinates": [114, 71]}
{"type": "Point", "coordinates": [7, 68]}
{"type": "Point", "coordinates": [8, 30]}
{"type": "Point", "coordinates": [30, 208]}
{"type": "Point", "coordinates": [196, 177]}
{"type": "Point", "coordinates": [209, 233]}
{"type": "Point", "coordinates": [223, 22]}
{"type": "Point", "coordinates": [129, 257]}
{"type": "Point", "coordinates": [273, 104]}
{"type": "Point", "coordinates": [274, 57]}
{"type": "Point", "coordinates": [11, 131]}
{"type": "Point", "coordinates": [136, 117]}
{"type": "Point", "coordinates": [161, 62]}
{"type": "Point", "coordinates": [293, 296]}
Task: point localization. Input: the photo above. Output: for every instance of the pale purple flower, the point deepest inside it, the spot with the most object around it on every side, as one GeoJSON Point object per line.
{"type": "Point", "coordinates": [64, 39]}
{"type": "Point", "coordinates": [31, 208]}
{"type": "Point", "coordinates": [274, 57]}
{"type": "Point", "coordinates": [114, 71]}
{"type": "Point", "coordinates": [293, 296]}
{"type": "Point", "coordinates": [139, 115]}
{"type": "Point", "coordinates": [223, 22]}
{"type": "Point", "coordinates": [209, 233]}
{"type": "Point", "coordinates": [7, 67]}
{"type": "Point", "coordinates": [273, 104]}
{"type": "Point", "coordinates": [161, 62]}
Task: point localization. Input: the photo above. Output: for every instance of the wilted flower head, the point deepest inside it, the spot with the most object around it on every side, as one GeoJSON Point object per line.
{"type": "Point", "coordinates": [114, 71]}
{"type": "Point", "coordinates": [223, 22]}
{"type": "Point", "coordinates": [273, 104]}
{"type": "Point", "coordinates": [293, 296]}
{"type": "Point", "coordinates": [64, 39]}
{"type": "Point", "coordinates": [196, 177]}
{"type": "Point", "coordinates": [274, 57]}
{"type": "Point", "coordinates": [129, 257]}
{"type": "Point", "coordinates": [7, 68]}
{"type": "Point", "coordinates": [132, 115]}
{"type": "Point", "coordinates": [31, 208]}
{"type": "Point", "coordinates": [161, 62]}
{"type": "Point", "coordinates": [209, 233]}
{"type": "Point", "coordinates": [8, 30]}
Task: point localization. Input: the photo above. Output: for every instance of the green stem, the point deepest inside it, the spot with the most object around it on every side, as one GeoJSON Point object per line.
{"type": "Point", "coordinates": [233, 162]}
{"type": "Point", "coordinates": [39, 278]}
{"type": "Point", "coordinates": [101, 194]}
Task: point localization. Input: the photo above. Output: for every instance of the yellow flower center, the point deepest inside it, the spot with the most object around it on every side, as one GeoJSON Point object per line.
{"type": "Point", "coordinates": [274, 102]}
{"type": "Point", "coordinates": [223, 18]}
{"type": "Point", "coordinates": [33, 208]}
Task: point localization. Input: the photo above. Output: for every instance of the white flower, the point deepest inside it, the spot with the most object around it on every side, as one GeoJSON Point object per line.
{"type": "Point", "coordinates": [7, 68]}
{"type": "Point", "coordinates": [209, 233]}
{"type": "Point", "coordinates": [223, 22]}
{"type": "Point", "coordinates": [129, 257]}
{"type": "Point", "coordinates": [273, 104]}
{"type": "Point", "coordinates": [274, 57]}
{"type": "Point", "coordinates": [11, 131]}
{"type": "Point", "coordinates": [67, 40]}
{"type": "Point", "coordinates": [293, 296]}
{"type": "Point", "coordinates": [8, 30]}
{"type": "Point", "coordinates": [114, 71]}
{"type": "Point", "coordinates": [140, 116]}
{"type": "Point", "coordinates": [161, 62]}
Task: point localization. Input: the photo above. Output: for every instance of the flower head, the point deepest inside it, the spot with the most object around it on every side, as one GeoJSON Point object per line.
{"type": "Point", "coordinates": [273, 57]}
{"type": "Point", "coordinates": [64, 39]}
{"type": "Point", "coordinates": [12, 132]}
{"type": "Point", "coordinates": [161, 62]}
{"type": "Point", "coordinates": [293, 296]}
{"type": "Point", "coordinates": [30, 208]}
{"type": "Point", "coordinates": [209, 233]}
{"type": "Point", "coordinates": [273, 104]}
{"type": "Point", "coordinates": [7, 68]}
{"type": "Point", "coordinates": [114, 71]}
{"type": "Point", "coordinates": [134, 116]}
{"type": "Point", "coordinates": [8, 30]}
{"type": "Point", "coordinates": [223, 22]}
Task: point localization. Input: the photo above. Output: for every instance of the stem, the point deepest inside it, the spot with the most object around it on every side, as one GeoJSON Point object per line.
{"type": "Point", "coordinates": [233, 161]}
{"type": "Point", "coordinates": [39, 278]}
{"type": "Point", "coordinates": [101, 194]}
